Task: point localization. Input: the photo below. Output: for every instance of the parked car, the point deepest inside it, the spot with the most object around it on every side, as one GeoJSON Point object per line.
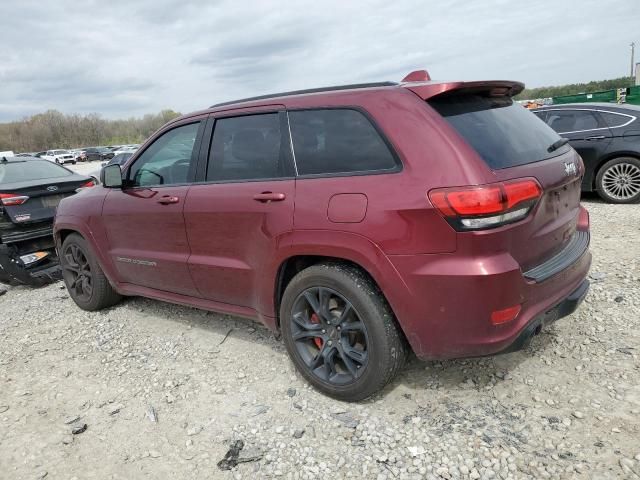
{"type": "Point", "coordinates": [79, 154]}
{"type": "Point", "coordinates": [59, 156]}
{"type": "Point", "coordinates": [119, 159]}
{"type": "Point", "coordinates": [125, 149]}
{"type": "Point", "coordinates": [30, 190]}
{"type": "Point", "coordinates": [607, 137]}
{"type": "Point", "coordinates": [98, 153]}
{"type": "Point", "coordinates": [357, 220]}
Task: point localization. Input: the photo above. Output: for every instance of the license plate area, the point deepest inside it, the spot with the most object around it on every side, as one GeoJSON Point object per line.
{"type": "Point", "coordinates": [51, 201]}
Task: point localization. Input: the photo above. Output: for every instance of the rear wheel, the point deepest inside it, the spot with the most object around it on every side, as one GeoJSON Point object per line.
{"type": "Point", "coordinates": [618, 181]}
{"type": "Point", "coordinates": [340, 332]}
{"type": "Point", "coordinates": [85, 280]}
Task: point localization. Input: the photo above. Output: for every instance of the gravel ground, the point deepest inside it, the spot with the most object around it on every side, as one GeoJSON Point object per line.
{"type": "Point", "coordinates": [165, 391]}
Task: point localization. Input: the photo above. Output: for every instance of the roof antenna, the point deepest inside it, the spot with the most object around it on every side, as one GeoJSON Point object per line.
{"type": "Point", "coordinates": [417, 76]}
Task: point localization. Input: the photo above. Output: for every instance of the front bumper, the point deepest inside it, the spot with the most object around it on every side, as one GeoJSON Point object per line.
{"type": "Point", "coordinates": [41, 273]}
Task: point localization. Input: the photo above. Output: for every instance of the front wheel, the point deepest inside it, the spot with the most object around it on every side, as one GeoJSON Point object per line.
{"type": "Point", "coordinates": [85, 280]}
{"type": "Point", "coordinates": [618, 181]}
{"type": "Point", "coordinates": [340, 332]}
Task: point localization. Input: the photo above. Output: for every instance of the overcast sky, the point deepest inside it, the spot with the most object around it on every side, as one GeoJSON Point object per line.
{"type": "Point", "coordinates": [126, 58]}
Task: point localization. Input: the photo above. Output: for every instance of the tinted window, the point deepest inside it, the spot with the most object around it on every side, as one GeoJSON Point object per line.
{"type": "Point", "coordinates": [540, 114]}
{"type": "Point", "coordinates": [248, 148]}
{"type": "Point", "coordinates": [120, 159]}
{"type": "Point", "coordinates": [564, 121]}
{"type": "Point", "coordinates": [30, 170]}
{"type": "Point", "coordinates": [337, 141]}
{"type": "Point", "coordinates": [613, 119]}
{"type": "Point", "coordinates": [504, 133]}
{"type": "Point", "coordinates": [167, 160]}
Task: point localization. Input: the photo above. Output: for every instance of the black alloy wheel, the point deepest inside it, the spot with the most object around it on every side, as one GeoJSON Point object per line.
{"type": "Point", "coordinates": [329, 335]}
{"type": "Point", "coordinates": [77, 272]}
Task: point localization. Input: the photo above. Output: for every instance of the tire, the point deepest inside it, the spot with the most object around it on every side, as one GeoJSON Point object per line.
{"type": "Point", "coordinates": [101, 294]}
{"type": "Point", "coordinates": [618, 180]}
{"type": "Point", "coordinates": [379, 346]}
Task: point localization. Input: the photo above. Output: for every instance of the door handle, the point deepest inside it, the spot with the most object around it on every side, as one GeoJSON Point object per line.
{"type": "Point", "coordinates": [597, 137]}
{"type": "Point", "coordinates": [168, 199]}
{"type": "Point", "coordinates": [267, 197]}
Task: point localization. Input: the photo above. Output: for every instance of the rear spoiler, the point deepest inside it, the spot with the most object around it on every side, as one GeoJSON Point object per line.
{"type": "Point", "coordinates": [497, 88]}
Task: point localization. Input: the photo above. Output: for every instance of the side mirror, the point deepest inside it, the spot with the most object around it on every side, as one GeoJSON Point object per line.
{"type": "Point", "coordinates": [111, 176]}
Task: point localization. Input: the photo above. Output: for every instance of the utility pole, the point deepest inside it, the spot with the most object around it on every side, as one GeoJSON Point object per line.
{"type": "Point", "coordinates": [633, 46]}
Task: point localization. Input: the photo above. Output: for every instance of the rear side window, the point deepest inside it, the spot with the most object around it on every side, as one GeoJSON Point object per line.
{"type": "Point", "coordinates": [614, 119]}
{"type": "Point", "coordinates": [567, 121]}
{"type": "Point", "coordinates": [504, 133]}
{"type": "Point", "coordinates": [328, 141]}
{"type": "Point", "coordinates": [248, 148]}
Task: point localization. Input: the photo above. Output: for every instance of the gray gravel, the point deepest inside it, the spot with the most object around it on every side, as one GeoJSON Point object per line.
{"type": "Point", "coordinates": [162, 397]}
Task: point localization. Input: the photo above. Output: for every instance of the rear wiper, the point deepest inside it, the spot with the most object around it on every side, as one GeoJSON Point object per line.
{"type": "Point", "coordinates": [557, 144]}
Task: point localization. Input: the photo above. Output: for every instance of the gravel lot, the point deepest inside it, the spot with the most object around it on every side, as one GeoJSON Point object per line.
{"type": "Point", "coordinates": [165, 391]}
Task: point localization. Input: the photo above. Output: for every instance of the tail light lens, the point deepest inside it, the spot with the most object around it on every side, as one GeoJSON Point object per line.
{"type": "Point", "coordinates": [89, 184]}
{"type": "Point", "coordinates": [486, 206]}
{"type": "Point", "coordinates": [12, 199]}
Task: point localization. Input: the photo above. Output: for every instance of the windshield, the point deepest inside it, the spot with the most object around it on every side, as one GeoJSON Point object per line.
{"type": "Point", "coordinates": [13, 172]}
{"type": "Point", "coordinates": [504, 133]}
{"type": "Point", "coordinates": [60, 152]}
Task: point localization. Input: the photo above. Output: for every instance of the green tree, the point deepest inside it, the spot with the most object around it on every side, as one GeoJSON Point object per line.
{"type": "Point", "coordinates": [575, 88]}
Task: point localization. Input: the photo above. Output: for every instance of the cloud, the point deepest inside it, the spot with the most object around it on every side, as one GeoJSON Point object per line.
{"type": "Point", "coordinates": [124, 58]}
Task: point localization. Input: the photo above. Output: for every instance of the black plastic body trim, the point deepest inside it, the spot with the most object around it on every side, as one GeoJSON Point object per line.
{"type": "Point", "coordinates": [22, 235]}
{"type": "Point", "coordinates": [576, 247]}
{"type": "Point", "coordinates": [562, 309]}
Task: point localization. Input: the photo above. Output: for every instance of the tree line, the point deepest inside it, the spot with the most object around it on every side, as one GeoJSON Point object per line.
{"type": "Point", "coordinates": [575, 88]}
{"type": "Point", "coordinates": [53, 129]}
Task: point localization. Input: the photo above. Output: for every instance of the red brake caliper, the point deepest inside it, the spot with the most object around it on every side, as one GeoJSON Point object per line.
{"type": "Point", "coordinates": [317, 340]}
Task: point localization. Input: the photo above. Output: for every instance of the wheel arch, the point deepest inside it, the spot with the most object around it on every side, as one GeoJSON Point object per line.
{"type": "Point", "coordinates": [308, 248]}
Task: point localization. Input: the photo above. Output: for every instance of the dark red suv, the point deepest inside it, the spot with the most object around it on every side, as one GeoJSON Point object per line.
{"type": "Point", "coordinates": [359, 221]}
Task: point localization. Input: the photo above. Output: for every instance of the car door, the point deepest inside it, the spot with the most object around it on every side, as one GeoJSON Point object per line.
{"type": "Point", "coordinates": [587, 133]}
{"type": "Point", "coordinates": [144, 220]}
{"type": "Point", "coordinates": [238, 214]}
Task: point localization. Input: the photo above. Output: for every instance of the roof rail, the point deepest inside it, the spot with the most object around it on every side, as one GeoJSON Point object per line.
{"type": "Point", "coordinates": [311, 90]}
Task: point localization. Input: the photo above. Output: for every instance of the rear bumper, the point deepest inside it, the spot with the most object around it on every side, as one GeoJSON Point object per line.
{"type": "Point", "coordinates": [562, 309]}
{"type": "Point", "coordinates": [446, 312]}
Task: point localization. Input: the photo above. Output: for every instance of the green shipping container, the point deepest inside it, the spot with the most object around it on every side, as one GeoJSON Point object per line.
{"type": "Point", "coordinates": [633, 95]}
{"type": "Point", "coordinates": [605, 96]}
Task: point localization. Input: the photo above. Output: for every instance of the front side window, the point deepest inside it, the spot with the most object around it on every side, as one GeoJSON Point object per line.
{"type": "Point", "coordinates": [329, 141]}
{"type": "Point", "coordinates": [167, 160]}
{"type": "Point", "coordinates": [248, 148]}
{"type": "Point", "coordinates": [566, 121]}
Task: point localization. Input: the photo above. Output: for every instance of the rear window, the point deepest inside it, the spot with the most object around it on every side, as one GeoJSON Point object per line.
{"type": "Point", "coordinates": [504, 133]}
{"type": "Point", "coordinates": [329, 141]}
{"type": "Point", "coordinates": [13, 172]}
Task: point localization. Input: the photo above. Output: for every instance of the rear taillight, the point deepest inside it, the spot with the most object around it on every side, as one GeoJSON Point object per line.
{"type": "Point", "coordinates": [486, 206]}
{"type": "Point", "coordinates": [89, 184]}
{"type": "Point", "coordinates": [12, 199]}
